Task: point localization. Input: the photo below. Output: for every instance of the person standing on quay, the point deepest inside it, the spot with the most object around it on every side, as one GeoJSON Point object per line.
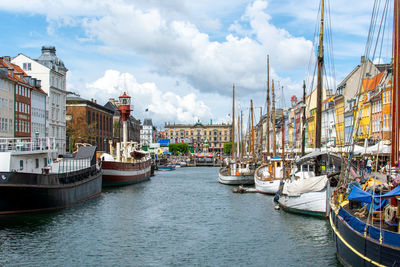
{"type": "Point", "coordinates": [369, 165]}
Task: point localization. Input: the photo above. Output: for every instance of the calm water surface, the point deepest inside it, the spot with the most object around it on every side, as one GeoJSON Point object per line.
{"type": "Point", "coordinates": [179, 218]}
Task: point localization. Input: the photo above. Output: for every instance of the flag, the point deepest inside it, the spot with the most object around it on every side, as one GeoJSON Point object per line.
{"type": "Point", "coordinates": [146, 109]}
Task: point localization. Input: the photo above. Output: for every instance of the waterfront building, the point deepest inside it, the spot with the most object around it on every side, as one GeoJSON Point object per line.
{"type": "Point", "coordinates": [7, 85]}
{"type": "Point", "coordinates": [363, 112]}
{"type": "Point", "coordinates": [387, 107]}
{"type": "Point", "coordinates": [348, 121]}
{"type": "Point", "coordinates": [132, 123]}
{"type": "Point", "coordinates": [196, 134]}
{"type": "Point", "coordinates": [328, 125]}
{"type": "Point", "coordinates": [88, 122]}
{"type": "Point", "coordinates": [348, 89]}
{"type": "Point", "coordinates": [298, 121]}
{"type": "Point", "coordinates": [291, 128]}
{"type": "Point", "coordinates": [375, 100]}
{"type": "Point", "coordinates": [52, 72]}
{"type": "Point", "coordinates": [23, 85]}
{"type": "Point", "coordinates": [311, 122]}
{"type": "Point", "coordinates": [147, 133]}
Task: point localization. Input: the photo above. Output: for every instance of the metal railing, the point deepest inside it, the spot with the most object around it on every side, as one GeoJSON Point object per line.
{"type": "Point", "coordinates": [26, 144]}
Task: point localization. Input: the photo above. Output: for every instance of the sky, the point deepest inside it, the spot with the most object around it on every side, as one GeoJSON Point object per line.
{"type": "Point", "coordinates": [179, 58]}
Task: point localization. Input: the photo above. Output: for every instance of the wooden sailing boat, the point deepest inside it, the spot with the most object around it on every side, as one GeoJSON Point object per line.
{"type": "Point", "coordinates": [235, 173]}
{"type": "Point", "coordinates": [268, 176]}
{"type": "Point", "coordinates": [307, 191]}
{"type": "Point", "coordinates": [372, 240]}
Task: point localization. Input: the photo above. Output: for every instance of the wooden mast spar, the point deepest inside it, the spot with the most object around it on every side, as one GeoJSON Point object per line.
{"type": "Point", "coordinates": [268, 107]}
{"type": "Point", "coordinates": [320, 82]}
{"type": "Point", "coordinates": [273, 122]}
{"type": "Point", "coordinates": [395, 84]}
{"type": "Point", "coordinates": [233, 131]}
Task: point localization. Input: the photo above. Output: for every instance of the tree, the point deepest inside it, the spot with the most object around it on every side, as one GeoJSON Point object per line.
{"type": "Point", "coordinates": [78, 131]}
{"type": "Point", "coordinates": [227, 148]}
{"type": "Point", "coordinates": [178, 148]}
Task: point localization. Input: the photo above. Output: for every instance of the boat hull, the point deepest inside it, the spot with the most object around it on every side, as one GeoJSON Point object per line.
{"type": "Point", "coordinates": [235, 179]}
{"type": "Point", "coordinates": [125, 173]}
{"type": "Point", "coordinates": [355, 249]}
{"type": "Point", "coordinates": [269, 187]}
{"type": "Point", "coordinates": [311, 203]}
{"type": "Point", "coordinates": [30, 193]}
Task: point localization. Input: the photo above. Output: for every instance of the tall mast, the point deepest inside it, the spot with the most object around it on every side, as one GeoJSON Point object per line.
{"type": "Point", "coordinates": [283, 145]}
{"type": "Point", "coordinates": [241, 135]}
{"type": "Point", "coordinates": [395, 88]}
{"type": "Point", "coordinates": [233, 125]}
{"type": "Point", "coordinates": [238, 141]}
{"type": "Point", "coordinates": [268, 108]}
{"type": "Point", "coordinates": [261, 135]}
{"type": "Point", "coordinates": [303, 122]}
{"type": "Point", "coordinates": [319, 82]}
{"type": "Point", "coordinates": [249, 137]}
{"type": "Point", "coordinates": [252, 130]}
{"type": "Point", "coordinates": [273, 122]}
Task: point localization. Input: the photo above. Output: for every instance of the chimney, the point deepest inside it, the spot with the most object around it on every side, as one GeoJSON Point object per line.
{"type": "Point", "coordinates": [95, 101]}
{"type": "Point", "coordinates": [362, 59]}
{"type": "Point", "coordinates": [91, 99]}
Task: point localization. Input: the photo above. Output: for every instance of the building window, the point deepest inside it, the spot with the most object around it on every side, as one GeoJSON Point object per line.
{"type": "Point", "coordinates": [21, 164]}
{"type": "Point", "coordinates": [37, 163]}
{"type": "Point", "coordinates": [27, 66]}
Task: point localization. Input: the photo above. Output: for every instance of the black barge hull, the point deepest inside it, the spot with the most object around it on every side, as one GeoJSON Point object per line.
{"type": "Point", "coordinates": [355, 249]}
{"type": "Point", "coordinates": [31, 193]}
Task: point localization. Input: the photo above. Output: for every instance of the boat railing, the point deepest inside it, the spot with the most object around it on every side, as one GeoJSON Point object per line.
{"type": "Point", "coordinates": [70, 165]}
{"type": "Point", "coordinates": [26, 144]}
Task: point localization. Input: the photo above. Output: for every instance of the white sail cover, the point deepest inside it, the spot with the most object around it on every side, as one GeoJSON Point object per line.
{"type": "Point", "coordinates": [311, 184]}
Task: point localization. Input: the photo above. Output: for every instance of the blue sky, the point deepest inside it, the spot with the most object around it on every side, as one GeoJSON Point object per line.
{"type": "Point", "coordinates": [180, 58]}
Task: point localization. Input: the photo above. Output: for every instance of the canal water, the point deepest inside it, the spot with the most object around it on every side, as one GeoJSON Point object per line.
{"type": "Point", "coordinates": [178, 218]}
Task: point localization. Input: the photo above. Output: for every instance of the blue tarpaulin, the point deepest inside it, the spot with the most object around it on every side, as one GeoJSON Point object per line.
{"type": "Point", "coordinates": [359, 195]}
{"type": "Point", "coordinates": [362, 196]}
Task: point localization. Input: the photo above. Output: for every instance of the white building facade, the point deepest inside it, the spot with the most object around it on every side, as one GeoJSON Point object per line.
{"type": "Point", "coordinates": [146, 133]}
{"type": "Point", "coordinates": [38, 113]}
{"type": "Point", "coordinates": [6, 104]}
{"type": "Point", "coordinates": [51, 71]}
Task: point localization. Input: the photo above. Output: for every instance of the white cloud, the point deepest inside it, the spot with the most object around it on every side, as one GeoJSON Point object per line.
{"type": "Point", "coordinates": [162, 106]}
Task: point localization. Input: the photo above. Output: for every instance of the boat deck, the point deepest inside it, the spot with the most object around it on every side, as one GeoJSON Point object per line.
{"type": "Point", "coordinates": [378, 219]}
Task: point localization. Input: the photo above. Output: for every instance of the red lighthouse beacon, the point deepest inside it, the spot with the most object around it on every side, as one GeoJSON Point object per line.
{"type": "Point", "coordinates": [125, 111]}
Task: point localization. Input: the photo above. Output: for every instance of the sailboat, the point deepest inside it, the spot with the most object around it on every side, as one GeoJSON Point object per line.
{"type": "Point", "coordinates": [373, 239]}
{"type": "Point", "coordinates": [235, 173]}
{"type": "Point", "coordinates": [309, 188]}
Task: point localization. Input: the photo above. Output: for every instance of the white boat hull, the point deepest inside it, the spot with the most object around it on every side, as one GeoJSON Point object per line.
{"type": "Point", "coordinates": [311, 203]}
{"type": "Point", "coordinates": [268, 186]}
{"type": "Point", "coordinates": [235, 179]}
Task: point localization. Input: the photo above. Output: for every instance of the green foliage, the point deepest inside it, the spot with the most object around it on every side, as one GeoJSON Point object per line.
{"type": "Point", "coordinates": [227, 148]}
{"type": "Point", "coordinates": [178, 148]}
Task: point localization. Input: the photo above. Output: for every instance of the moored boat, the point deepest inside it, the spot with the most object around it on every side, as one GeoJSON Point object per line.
{"type": "Point", "coordinates": [267, 177]}
{"type": "Point", "coordinates": [308, 194]}
{"type": "Point", "coordinates": [125, 164]}
{"type": "Point", "coordinates": [242, 176]}
{"type": "Point", "coordinates": [29, 184]}
{"type": "Point", "coordinates": [167, 167]}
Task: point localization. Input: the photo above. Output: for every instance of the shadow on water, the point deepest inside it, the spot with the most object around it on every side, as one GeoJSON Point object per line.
{"type": "Point", "coordinates": [36, 221]}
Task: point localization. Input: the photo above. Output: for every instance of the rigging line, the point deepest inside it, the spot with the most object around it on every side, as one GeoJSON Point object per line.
{"type": "Point", "coordinates": [312, 55]}
{"type": "Point", "coordinates": [379, 31]}
{"type": "Point", "coordinates": [356, 117]}
{"type": "Point", "coordinates": [384, 27]}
